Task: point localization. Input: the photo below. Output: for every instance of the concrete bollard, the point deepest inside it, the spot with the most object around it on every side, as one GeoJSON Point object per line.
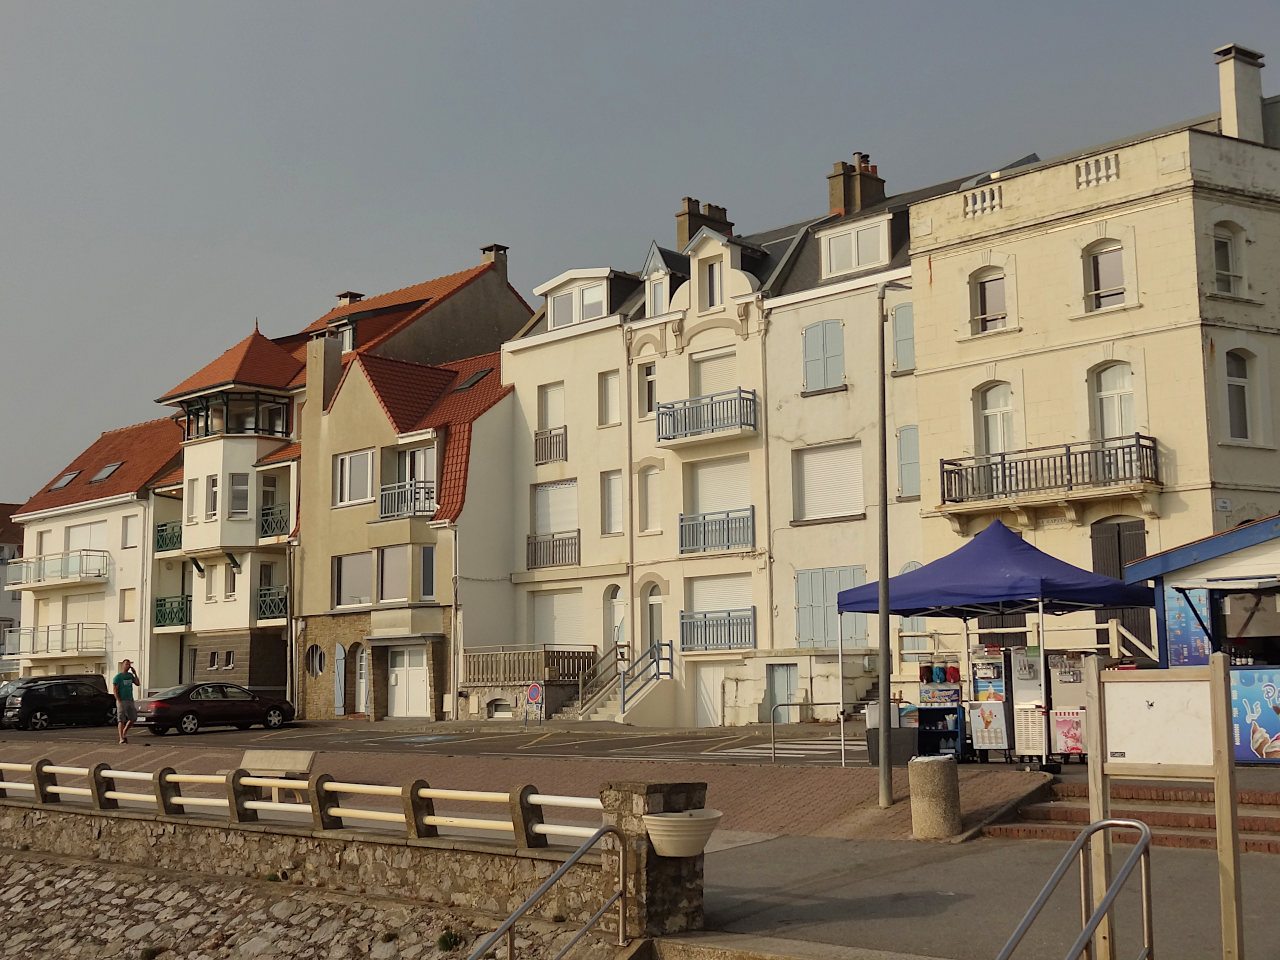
{"type": "Point", "coordinates": [935, 797]}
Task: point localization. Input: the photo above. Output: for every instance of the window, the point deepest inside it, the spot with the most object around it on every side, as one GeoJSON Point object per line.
{"type": "Point", "coordinates": [230, 664]}
{"type": "Point", "coordinates": [853, 249]}
{"type": "Point", "coordinates": [1104, 275]}
{"type": "Point", "coordinates": [555, 507]}
{"type": "Point", "coordinates": [210, 584]}
{"type": "Point", "coordinates": [428, 572]}
{"type": "Point", "coordinates": [909, 461]}
{"type": "Point", "coordinates": [904, 337]}
{"type": "Point", "coordinates": [650, 516]}
{"type": "Point", "coordinates": [129, 531]}
{"type": "Point", "coordinates": [713, 284]}
{"type": "Point", "coordinates": [105, 472]}
{"type": "Point", "coordinates": [840, 253]}
{"type": "Point", "coordinates": [1113, 401]}
{"type": "Point", "coordinates": [472, 380]}
{"type": "Point", "coordinates": [551, 405]}
{"type": "Point", "coordinates": [657, 297]}
{"type": "Point", "coordinates": [239, 498]}
{"type": "Point", "coordinates": [267, 575]}
{"type": "Point", "coordinates": [823, 344]}
{"type": "Point", "coordinates": [353, 477]}
{"type": "Point", "coordinates": [347, 337]}
{"type": "Point", "coordinates": [213, 665]}
{"type": "Point", "coordinates": [193, 508]}
{"type": "Point", "coordinates": [995, 418]}
{"type": "Point", "coordinates": [128, 604]}
{"type": "Point", "coordinates": [352, 579]}
{"type": "Point", "coordinates": [1226, 262]}
{"type": "Point", "coordinates": [1238, 395]}
{"type": "Point", "coordinates": [818, 623]}
{"type": "Point", "coordinates": [647, 387]}
{"type": "Point", "coordinates": [561, 310]}
{"type": "Point", "coordinates": [229, 585]}
{"type": "Point", "coordinates": [828, 481]}
{"type": "Point", "coordinates": [211, 497]}
{"type": "Point", "coordinates": [607, 391]}
{"type": "Point", "coordinates": [585, 303]}
{"type": "Point", "coordinates": [268, 492]}
{"type": "Point", "coordinates": [393, 573]}
{"type": "Point", "coordinates": [63, 480]}
{"type": "Point", "coordinates": [989, 312]}
{"type": "Point", "coordinates": [712, 372]}
{"type": "Point", "coordinates": [611, 501]}
{"type": "Point", "coordinates": [592, 299]}
{"type": "Point", "coordinates": [315, 661]}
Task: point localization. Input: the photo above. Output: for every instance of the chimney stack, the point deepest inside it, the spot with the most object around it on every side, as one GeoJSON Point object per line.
{"type": "Point", "coordinates": [496, 254]}
{"type": "Point", "coordinates": [690, 220]}
{"type": "Point", "coordinates": [347, 297]}
{"type": "Point", "coordinates": [324, 370]}
{"type": "Point", "coordinates": [853, 186]}
{"type": "Point", "coordinates": [1240, 92]}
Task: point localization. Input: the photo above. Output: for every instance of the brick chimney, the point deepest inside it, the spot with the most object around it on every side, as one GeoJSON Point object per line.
{"type": "Point", "coordinates": [496, 254]}
{"type": "Point", "coordinates": [690, 220]}
{"type": "Point", "coordinates": [853, 186]}
{"type": "Point", "coordinates": [347, 297]}
{"type": "Point", "coordinates": [1240, 92]}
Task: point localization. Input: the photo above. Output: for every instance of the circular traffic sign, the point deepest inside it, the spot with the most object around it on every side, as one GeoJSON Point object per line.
{"type": "Point", "coordinates": [535, 693]}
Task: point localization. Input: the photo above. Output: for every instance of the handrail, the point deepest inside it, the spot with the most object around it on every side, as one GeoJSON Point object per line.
{"type": "Point", "coordinates": [646, 669]}
{"type": "Point", "coordinates": [1141, 853]}
{"type": "Point", "coordinates": [598, 679]}
{"type": "Point", "coordinates": [619, 897]}
{"type": "Point", "coordinates": [773, 725]}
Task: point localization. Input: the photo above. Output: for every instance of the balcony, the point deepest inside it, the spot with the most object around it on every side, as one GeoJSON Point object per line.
{"type": "Point", "coordinates": [716, 416]}
{"type": "Point", "coordinates": [553, 549]}
{"type": "Point", "coordinates": [1090, 468]}
{"type": "Point", "coordinates": [272, 603]}
{"type": "Point", "coordinates": [551, 445]}
{"type": "Point", "coordinates": [718, 629]}
{"type": "Point", "coordinates": [57, 640]}
{"type": "Point", "coordinates": [172, 611]}
{"type": "Point", "coordinates": [721, 530]}
{"type": "Point", "coordinates": [496, 665]}
{"type": "Point", "coordinates": [169, 536]}
{"type": "Point", "coordinates": [58, 569]}
{"type": "Point", "coordinates": [273, 520]}
{"type": "Point", "coordinates": [412, 498]}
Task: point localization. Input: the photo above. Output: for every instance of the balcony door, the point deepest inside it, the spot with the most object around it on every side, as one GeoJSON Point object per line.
{"type": "Point", "coordinates": [714, 373]}
{"type": "Point", "coordinates": [1115, 542]}
{"type": "Point", "coordinates": [550, 406]}
{"type": "Point", "coordinates": [718, 485]}
{"type": "Point", "coordinates": [557, 618]}
{"type": "Point", "coordinates": [555, 507]}
{"type": "Point", "coordinates": [419, 464]}
{"type": "Point", "coordinates": [1113, 421]}
{"type": "Point", "coordinates": [995, 436]}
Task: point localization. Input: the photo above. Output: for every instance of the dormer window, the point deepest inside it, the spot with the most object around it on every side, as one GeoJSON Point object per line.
{"type": "Point", "coordinates": [854, 248]}
{"type": "Point", "coordinates": [713, 284]}
{"type": "Point", "coordinates": [657, 297]}
{"type": "Point", "coordinates": [578, 306]}
{"type": "Point", "coordinates": [593, 301]}
{"type": "Point", "coordinates": [347, 337]}
{"type": "Point", "coordinates": [105, 472]}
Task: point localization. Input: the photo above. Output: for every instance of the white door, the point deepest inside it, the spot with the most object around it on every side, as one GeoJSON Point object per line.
{"type": "Point", "coordinates": [709, 681]}
{"type": "Point", "coordinates": [339, 680]}
{"type": "Point", "coordinates": [407, 676]}
{"type": "Point", "coordinates": [550, 406]}
{"type": "Point", "coordinates": [721, 485]}
{"type": "Point", "coordinates": [363, 704]}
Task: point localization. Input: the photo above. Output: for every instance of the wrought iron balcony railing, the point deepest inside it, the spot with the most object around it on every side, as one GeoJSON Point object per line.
{"type": "Point", "coordinates": [75, 566]}
{"type": "Point", "coordinates": [55, 639]}
{"type": "Point", "coordinates": [702, 416]}
{"type": "Point", "coordinates": [718, 629]}
{"type": "Point", "coordinates": [1090, 464]}
{"type": "Point", "coordinates": [553, 549]}
{"type": "Point", "coordinates": [411, 498]}
{"type": "Point", "coordinates": [551, 445]}
{"type": "Point", "coordinates": [721, 530]}
{"type": "Point", "coordinates": [169, 536]}
{"type": "Point", "coordinates": [273, 520]}
{"type": "Point", "coordinates": [272, 603]}
{"type": "Point", "coordinates": [172, 611]}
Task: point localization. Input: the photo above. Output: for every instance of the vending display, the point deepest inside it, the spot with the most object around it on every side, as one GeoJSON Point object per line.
{"type": "Point", "coordinates": [1066, 679]}
{"type": "Point", "coordinates": [988, 710]}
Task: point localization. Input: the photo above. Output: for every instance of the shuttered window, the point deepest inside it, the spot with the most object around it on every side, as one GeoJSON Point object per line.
{"type": "Point", "coordinates": [823, 355]}
{"type": "Point", "coordinates": [550, 406]}
{"type": "Point", "coordinates": [721, 485]}
{"type": "Point", "coordinates": [908, 461]}
{"type": "Point", "coordinates": [650, 511]}
{"type": "Point", "coordinates": [1114, 544]}
{"type": "Point", "coordinates": [714, 373]}
{"type": "Point", "coordinates": [87, 536]}
{"type": "Point", "coordinates": [818, 621]}
{"type": "Point", "coordinates": [828, 481]}
{"type": "Point", "coordinates": [728, 592]}
{"type": "Point", "coordinates": [611, 501]}
{"type": "Point", "coordinates": [555, 507]}
{"type": "Point", "coordinates": [557, 617]}
{"type": "Point", "coordinates": [904, 337]}
{"type": "Point", "coordinates": [610, 411]}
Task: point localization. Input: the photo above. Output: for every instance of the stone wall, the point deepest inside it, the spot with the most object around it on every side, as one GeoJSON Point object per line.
{"type": "Point", "coordinates": [315, 700]}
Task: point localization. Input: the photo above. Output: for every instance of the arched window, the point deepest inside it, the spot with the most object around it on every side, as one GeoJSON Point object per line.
{"type": "Point", "coordinates": [1112, 402]}
{"type": "Point", "coordinates": [1238, 413]}
{"type": "Point", "coordinates": [653, 615]}
{"type": "Point", "coordinates": [1104, 275]}
{"type": "Point", "coordinates": [650, 516]}
{"type": "Point", "coordinates": [995, 418]}
{"type": "Point", "coordinates": [988, 309]}
{"type": "Point", "coordinates": [315, 661]}
{"type": "Point", "coordinates": [614, 613]}
{"type": "Point", "coordinates": [1228, 255]}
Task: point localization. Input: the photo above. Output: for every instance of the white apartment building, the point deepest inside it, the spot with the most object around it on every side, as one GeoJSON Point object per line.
{"type": "Point", "coordinates": [10, 601]}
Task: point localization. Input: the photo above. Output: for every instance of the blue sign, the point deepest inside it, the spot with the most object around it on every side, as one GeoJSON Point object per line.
{"type": "Point", "coordinates": [1188, 644]}
{"type": "Point", "coordinates": [1255, 714]}
{"type": "Point", "coordinates": [535, 693]}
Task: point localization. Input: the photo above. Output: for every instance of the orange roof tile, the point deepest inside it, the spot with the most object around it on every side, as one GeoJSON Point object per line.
{"type": "Point", "coordinates": [406, 390]}
{"type": "Point", "coordinates": [290, 451]}
{"type": "Point", "coordinates": [10, 532]}
{"type": "Point", "coordinates": [431, 290]}
{"type": "Point", "coordinates": [168, 479]}
{"type": "Point", "coordinates": [143, 451]}
{"type": "Point", "coordinates": [255, 361]}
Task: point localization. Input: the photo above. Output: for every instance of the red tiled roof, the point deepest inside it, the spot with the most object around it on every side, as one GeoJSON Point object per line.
{"type": "Point", "coordinates": [290, 451]}
{"type": "Point", "coordinates": [432, 290]}
{"type": "Point", "coordinates": [255, 361]}
{"type": "Point", "coordinates": [169, 478]}
{"type": "Point", "coordinates": [454, 407]}
{"type": "Point", "coordinates": [406, 390]}
{"type": "Point", "coordinates": [143, 451]}
{"type": "Point", "coordinates": [10, 532]}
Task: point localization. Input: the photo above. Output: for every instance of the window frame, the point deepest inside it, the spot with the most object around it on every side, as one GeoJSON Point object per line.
{"type": "Point", "coordinates": [1233, 237]}
{"type": "Point", "coordinates": [237, 488]}
{"type": "Point", "coordinates": [657, 300]}
{"type": "Point", "coordinates": [336, 574]}
{"type": "Point", "coordinates": [1094, 293]}
{"type": "Point", "coordinates": [826, 332]}
{"type": "Point", "coordinates": [981, 318]}
{"type": "Point", "coordinates": [853, 231]}
{"type": "Point", "coordinates": [712, 277]}
{"type": "Point", "coordinates": [427, 571]}
{"type": "Point", "coordinates": [799, 457]}
{"type": "Point", "coordinates": [899, 311]}
{"type": "Point", "coordinates": [608, 399]}
{"type": "Point", "coordinates": [650, 512]}
{"type": "Point", "coordinates": [383, 554]}
{"type": "Point", "coordinates": [904, 491]}
{"type": "Point", "coordinates": [611, 507]}
{"type": "Point", "coordinates": [192, 506]}
{"type": "Point", "coordinates": [647, 389]}
{"type": "Point", "coordinates": [211, 497]}
{"type": "Point", "coordinates": [342, 474]}
{"type": "Point", "coordinates": [130, 524]}
{"type": "Point", "coordinates": [1241, 386]}
{"type": "Point", "coordinates": [229, 581]}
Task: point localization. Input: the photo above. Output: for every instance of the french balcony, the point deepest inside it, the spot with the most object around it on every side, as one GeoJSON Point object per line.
{"type": "Point", "coordinates": [713, 417]}
{"type": "Point", "coordinates": [56, 640]}
{"type": "Point", "coordinates": [553, 549]}
{"type": "Point", "coordinates": [411, 498]}
{"type": "Point", "coordinates": [172, 611]}
{"type": "Point", "coordinates": [272, 603]}
{"type": "Point", "coordinates": [169, 536]}
{"type": "Point", "coordinates": [59, 569]}
{"type": "Point", "coordinates": [273, 520]}
{"type": "Point", "coordinates": [720, 530]}
{"type": "Point", "coordinates": [551, 445]}
{"type": "Point", "coordinates": [718, 629]}
{"type": "Point", "coordinates": [1065, 471]}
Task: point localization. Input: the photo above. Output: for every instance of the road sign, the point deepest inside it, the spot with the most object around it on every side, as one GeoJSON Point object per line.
{"type": "Point", "coordinates": [535, 693]}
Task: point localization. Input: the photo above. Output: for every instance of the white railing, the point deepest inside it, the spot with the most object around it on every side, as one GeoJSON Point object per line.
{"type": "Point", "coordinates": [1096, 170]}
{"type": "Point", "coordinates": [983, 200]}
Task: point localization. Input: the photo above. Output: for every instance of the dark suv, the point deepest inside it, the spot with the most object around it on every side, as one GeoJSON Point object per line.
{"type": "Point", "coordinates": [36, 703]}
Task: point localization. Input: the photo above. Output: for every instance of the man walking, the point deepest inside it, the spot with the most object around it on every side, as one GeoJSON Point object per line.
{"type": "Point", "coordinates": [126, 708]}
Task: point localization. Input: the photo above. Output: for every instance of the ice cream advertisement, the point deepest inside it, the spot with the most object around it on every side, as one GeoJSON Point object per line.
{"type": "Point", "coordinates": [1188, 645]}
{"type": "Point", "coordinates": [1255, 714]}
{"type": "Point", "coordinates": [986, 726]}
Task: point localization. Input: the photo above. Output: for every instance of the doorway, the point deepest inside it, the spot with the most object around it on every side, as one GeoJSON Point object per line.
{"type": "Point", "coordinates": [708, 704]}
{"type": "Point", "coordinates": [407, 681]}
{"type": "Point", "coordinates": [781, 682]}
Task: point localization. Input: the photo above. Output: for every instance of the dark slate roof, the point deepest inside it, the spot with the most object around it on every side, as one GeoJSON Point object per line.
{"type": "Point", "coordinates": [676, 263]}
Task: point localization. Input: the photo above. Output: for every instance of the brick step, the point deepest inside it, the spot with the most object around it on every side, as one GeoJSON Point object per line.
{"type": "Point", "coordinates": [1252, 819]}
{"type": "Point", "coordinates": [1187, 839]}
{"type": "Point", "coordinates": [1122, 790]}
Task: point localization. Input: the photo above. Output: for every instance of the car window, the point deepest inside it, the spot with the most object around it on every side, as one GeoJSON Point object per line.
{"type": "Point", "coordinates": [56, 691]}
{"type": "Point", "coordinates": [85, 690]}
{"type": "Point", "coordinates": [204, 693]}
{"type": "Point", "coordinates": [171, 692]}
{"type": "Point", "coordinates": [237, 693]}
{"type": "Point", "coordinates": [213, 691]}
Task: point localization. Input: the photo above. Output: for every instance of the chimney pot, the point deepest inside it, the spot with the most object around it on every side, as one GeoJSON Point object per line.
{"type": "Point", "coordinates": [495, 253]}
{"type": "Point", "coordinates": [853, 186]}
{"type": "Point", "coordinates": [1240, 92]}
{"type": "Point", "coordinates": [348, 297]}
{"type": "Point", "coordinates": [691, 218]}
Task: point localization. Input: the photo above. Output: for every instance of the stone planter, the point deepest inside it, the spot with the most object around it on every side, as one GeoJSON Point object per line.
{"type": "Point", "coordinates": [682, 834]}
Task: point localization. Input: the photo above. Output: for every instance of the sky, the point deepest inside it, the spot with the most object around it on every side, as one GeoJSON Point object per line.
{"type": "Point", "coordinates": [174, 171]}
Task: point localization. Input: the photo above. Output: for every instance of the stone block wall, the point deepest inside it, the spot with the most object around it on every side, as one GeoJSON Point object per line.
{"type": "Point", "coordinates": [315, 695]}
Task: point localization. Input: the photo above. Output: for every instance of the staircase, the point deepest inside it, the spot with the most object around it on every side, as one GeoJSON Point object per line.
{"type": "Point", "coordinates": [1179, 816]}
{"type": "Point", "coordinates": [606, 708]}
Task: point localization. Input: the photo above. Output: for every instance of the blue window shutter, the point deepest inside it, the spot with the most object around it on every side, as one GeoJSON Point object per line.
{"type": "Point", "coordinates": [904, 337]}
{"type": "Point", "coordinates": [830, 621]}
{"type": "Point", "coordinates": [804, 608]}
{"type": "Point", "coordinates": [909, 461]}
{"type": "Point", "coordinates": [833, 347]}
{"type": "Point", "coordinates": [814, 365]}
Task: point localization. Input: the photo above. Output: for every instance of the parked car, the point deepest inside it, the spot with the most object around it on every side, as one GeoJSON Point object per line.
{"type": "Point", "coordinates": [194, 705]}
{"type": "Point", "coordinates": [37, 703]}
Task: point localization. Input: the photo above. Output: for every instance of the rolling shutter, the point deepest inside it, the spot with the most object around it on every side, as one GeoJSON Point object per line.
{"type": "Point", "coordinates": [550, 406]}
{"type": "Point", "coordinates": [557, 617]}
{"type": "Point", "coordinates": [555, 507]}
{"type": "Point", "coordinates": [721, 485]}
{"type": "Point", "coordinates": [729, 592]}
{"type": "Point", "coordinates": [715, 374]}
{"type": "Point", "coordinates": [828, 481]}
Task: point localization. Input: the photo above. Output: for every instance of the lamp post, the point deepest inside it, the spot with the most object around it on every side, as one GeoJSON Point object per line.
{"type": "Point", "coordinates": [885, 766]}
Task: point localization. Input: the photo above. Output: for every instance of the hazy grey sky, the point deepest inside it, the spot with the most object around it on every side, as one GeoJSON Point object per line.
{"type": "Point", "coordinates": [173, 170]}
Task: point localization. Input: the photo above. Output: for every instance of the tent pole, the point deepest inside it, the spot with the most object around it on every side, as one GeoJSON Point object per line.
{"type": "Point", "coordinates": [1044, 684]}
{"type": "Point", "coordinates": [840, 674]}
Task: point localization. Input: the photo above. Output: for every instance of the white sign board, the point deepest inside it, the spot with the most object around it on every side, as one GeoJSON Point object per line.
{"type": "Point", "coordinates": [1164, 722]}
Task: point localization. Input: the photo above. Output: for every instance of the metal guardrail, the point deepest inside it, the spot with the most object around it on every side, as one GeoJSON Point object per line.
{"type": "Point", "coordinates": [1141, 854]}
{"type": "Point", "coordinates": [709, 414]}
{"type": "Point", "coordinates": [553, 549]}
{"type": "Point", "coordinates": [411, 498]}
{"type": "Point", "coordinates": [55, 639]}
{"type": "Point", "coordinates": [273, 520]}
{"type": "Point", "coordinates": [272, 603]}
{"type": "Point", "coordinates": [599, 678]}
{"type": "Point", "coordinates": [718, 629]}
{"type": "Point", "coordinates": [172, 611]}
{"type": "Point", "coordinates": [718, 530]}
{"type": "Point", "coordinates": [74, 565]}
{"type": "Point", "coordinates": [168, 536]}
{"type": "Point", "coordinates": [652, 665]}
{"type": "Point", "coordinates": [551, 445]}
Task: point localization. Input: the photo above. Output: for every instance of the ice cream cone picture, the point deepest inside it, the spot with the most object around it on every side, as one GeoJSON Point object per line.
{"type": "Point", "coordinates": [987, 716]}
{"type": "Point", "coordinates": [1263, 744]}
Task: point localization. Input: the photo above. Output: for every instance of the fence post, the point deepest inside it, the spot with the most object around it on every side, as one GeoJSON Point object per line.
{"type": "Point", "coordinates": [166, 791]}
{"type": "Point", "coordinates": [43, 781]}
{"type": "Point", "coordinates": [525, 816]}
{"type": "Point", "coordinates": [98, 787]}
{"type": "Point", "coordinates": [416, 809]}
{"type": "Point", "coordinates": [321, 818]}
{"type": "Point", "coordinates": [238, 795]}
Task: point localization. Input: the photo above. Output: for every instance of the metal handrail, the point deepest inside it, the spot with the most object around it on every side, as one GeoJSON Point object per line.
{"type": "Point", "coordinates": [646, 668]}
{"type": "Point", "coordinates": [773, 725]}
{"type": "Point", "coordinates": [619, 897]}
{"type": "Point", "coordinates": [598, 679]}
{"type": "Point", "coordinates": [1141, 853]}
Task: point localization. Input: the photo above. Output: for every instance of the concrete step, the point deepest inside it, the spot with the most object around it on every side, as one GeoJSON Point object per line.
{"type": "Point", "coordinates": [709, 945]}
{"type": "Point", "coordinates": [1156, 814]}
{"type": "Point", "coordinates": [1188, 839]}
{"type": "Point", "coordinates": [1130, 790]}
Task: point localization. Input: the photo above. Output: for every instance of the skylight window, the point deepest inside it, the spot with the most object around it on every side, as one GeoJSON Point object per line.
{"type": "Point", "coordinates": [65, 479]}
{"type": "Point", "coordinates": [105, 472]}
{"type": "Point", "coordinates": [472, 380]}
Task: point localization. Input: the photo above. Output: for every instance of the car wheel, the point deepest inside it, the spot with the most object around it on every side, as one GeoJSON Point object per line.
{"type": "Point", "coordinates": [159, 731]}
{"type": "Point", "coordinates": [274, 719]}
{"type": "Point", "coordinates": [110, 718]}
{"type": "Point", "coordinates": [189, 723]}
{"type": "Point", "coordinates": [39, 720]}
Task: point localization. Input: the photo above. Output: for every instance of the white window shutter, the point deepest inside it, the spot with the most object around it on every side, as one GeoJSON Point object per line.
{"type": "Point", "coordinates": [829, 480]}
{"type": "Point", "coordinates": [556, 507]}
{"type": "Point", "coordinates": [721, 485]}
{"type": "Point", "coordinates": [728, 592]}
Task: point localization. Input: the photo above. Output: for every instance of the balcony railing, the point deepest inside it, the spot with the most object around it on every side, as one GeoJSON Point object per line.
{"type": "Point", "coordinates": [721, 530]}
{"type": "Point", "coordinates": [272, 603]}
{"type": "Point", "coordinates": [524, 665]}
{"type": "Point", "coordinates": [1091, 464]}
{"type": "Point", "coordinates": [169, 536]}
{"type": "Point", "coordinates": [56, 639]}
{"type": "Point", "coordinates": [700, 416]}
{"type": "Point", "coordinates": [411, 498]}
{"type": "Point", "coordinates": [553, 549]}
{"type": "Point", "coordinates": [551, 445]}
{"type": "Point", "coordinates": [718, 629]}
{"type": "Point", "coordinates": [273, 520]}
{"type": "Point", "coordinates": [75, 566]}
{"type": "Point", "coordinates": [172, 611]}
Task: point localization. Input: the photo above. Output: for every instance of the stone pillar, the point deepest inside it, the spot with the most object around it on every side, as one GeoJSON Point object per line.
{"type": "Point", "coordinates": [43, 780]}
{"type": "Point", "coordinates": [416, 809]}
{"type": "Point", "coordinates": [664, 895]}
{"type": "Point", "coordinates": [238, 795]}
{"type": "Point", "coordinates": [99, 785]}
{"type": "Point", "coordinates": [321, 818]}
{"type": "Point", "coordinates": [935, 797]}
{"type": "Point", "coordinates": [525, 816]}
{"type": "Point", "coordinates": [165, 792]}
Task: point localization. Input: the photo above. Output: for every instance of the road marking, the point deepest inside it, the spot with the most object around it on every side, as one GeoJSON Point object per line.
{"type": "Point", "coordinates": [526, 746]}
{"type": "Point", "coordinates": [719, 747]}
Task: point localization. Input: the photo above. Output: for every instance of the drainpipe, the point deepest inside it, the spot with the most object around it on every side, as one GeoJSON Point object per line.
{"type": "Point", "coordinates": [632, 521]}
{"type": "Point", "coordinates": [291, 654]}
{"type": "Point", "coordinates": [761, 427]}
{"type": "Point", "coordinates": [455, 647]}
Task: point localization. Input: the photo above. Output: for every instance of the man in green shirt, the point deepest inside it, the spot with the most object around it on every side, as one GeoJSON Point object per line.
{"type": "Point", "coordinates": [126, 708]}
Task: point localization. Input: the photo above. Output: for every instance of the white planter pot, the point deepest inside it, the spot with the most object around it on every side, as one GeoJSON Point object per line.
{"type": "Point", "coordinates": [681, 834]}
